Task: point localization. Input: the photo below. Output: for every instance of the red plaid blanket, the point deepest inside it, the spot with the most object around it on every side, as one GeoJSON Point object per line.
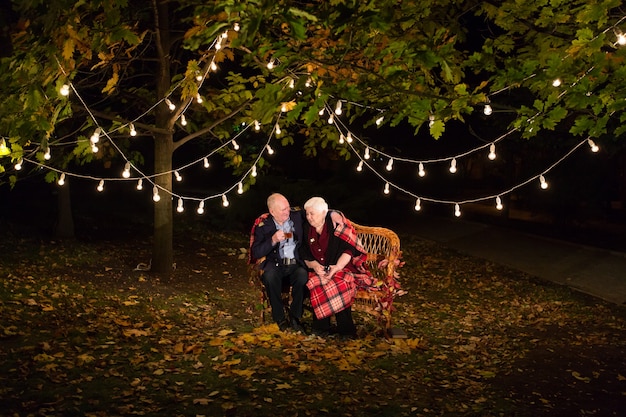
{"type": "Point", "coordinates": [339, 292]}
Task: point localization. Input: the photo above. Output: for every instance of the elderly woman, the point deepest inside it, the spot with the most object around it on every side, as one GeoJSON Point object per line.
{"type": "Point", "coordinates": [336, 263]}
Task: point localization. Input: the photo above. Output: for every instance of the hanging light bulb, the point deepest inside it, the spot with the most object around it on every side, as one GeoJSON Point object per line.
{"type": "Point", "coordinates": [257, 125]}
{"type": "Point", "coordinates": [349, 137]}
{"type": "Point", "coordinates": [65, 90]}
{"type": "Point", "coordinates": [380, 120]}
{"type": "Point", "coordinates": [338, 110]}
{"type": "Point", "coordinates": [270, 65]}
{"type": "Point", "coordinates": [492, 152]}
{"type": "Point", "coordinates": [218, 45]}
{"type": "Point", "coordinates": [453, 165]}
{"type": "Point", "coordinates": [543, 182]}
{"type": "Point", "coordinates": [253, 172]}
{"type": "Point", "coordinates": [307, 84]}
{"type": "Point", "coordinates": [386, 190]}
{"type": "Point", "coordinates": [183, 120]}
{"type": "Point", "coordinates": [140, 184]}
{"type": "Point", "coordinates": [592, 145]}
{"type": "Point", "coordinates": [236, 27]}
{"type": "Point", "coordinates": [213, 66]}
{"type": "Point", "coordinates": [431, 120]}
{"type": "Point", "coordinates": [178, 176]}
{"type": "Point", "coordinates": [18, 165]}
{"type": "Point", "coordinates": [225, 202]}
{"type": "Point", "coordinates": [96, 135]}
{"type": "Point", "coordinates": [457, 210]}
{"type": "Point", "coordinates": [61, 180]}
{"type": "Point", "coordinates": [283, 108]}
{"type": "Point", "coordinates": [199, 77]}
{"type": "Point", "coordinates": [621, 39]}
{"type": "Point", "coordinates": [487, 110]}
{"type": "Point", "coordinates": [206, 162]}
{"type": "Point", "coordinates": [321, 112]}
{"type": "Point", "coordinates": [390, 164]}
{"type": "Point", "coordinates": [235, 145]}
{"type": "Point", "coordinates": [133, 132]}
{"type": "Point", "coordinates": [240, 188]}
{"type": "Point", "coordinates": [126, 172]}
{"type": "Point", "coordinates": [199, 98]}
{"type": "Point", "coordinates": [100, 186]}
{"type": "Point", "coordinates": [270, 151]}
{"type": "Point", "coordinates": [277, 129]}
{"type": "Point", "coordinates": [201, 207]}
{"type": "Point", "coordinates": [331, 119]}
{"type": "Point", "coordinates": [170, 104]}
{"type": "Point", "coordinates": [366, 154]}
{"type": "Point", "coordinates": [360, 166]}
{"type": "Point", "coordinates": [94, 148]}
{"type": "Point", "coordinates": [342, 139]}
{"type": "Point", "coordinates": [292, 83]}
{"type": "Point", "coordinates": [420, 170]}
{"type": "Point", "coordinates": [180, 207]}
{"type": "Point", "coordinates": [556, 82]}
{"type": "Point", "coordinates": [498, 203]}
{"type": "Point", "coordinates": [418, 204]}
{"type": "Point", "coordinates": [47, 154]}
{"type": "Point", "coordinates": [155, 194]}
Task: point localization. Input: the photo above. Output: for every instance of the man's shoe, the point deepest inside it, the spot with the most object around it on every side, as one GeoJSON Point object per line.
{"type": "Point", "coordinates": [283, 325]}
{"type": "Point", "coordinates": [297, 326]}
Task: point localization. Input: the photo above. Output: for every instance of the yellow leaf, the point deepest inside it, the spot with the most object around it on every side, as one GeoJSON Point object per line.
{"type": "Point", "coordinates": [232, 362]}
{"type": "Point", "coordinates": [135, 332]}
{"type": "Point", "coordinates": [283, 386]}
{"type": "Point", "coordinates": [68, 48]}
{"type": "Point", "coordinates": [225, 332]}
{"type": "Point", "coordinates": [84, 358]}
{"type": "Point", "coordinates": [620, 377]}
{"type": "Point", "coordinates": [158, 372]}
{"type": "Point", "coordinates": [244, 372]}
{"type": "Point", "coordinates": [202, 401]}
{"type": "Point", "coordinates": [178, 348]}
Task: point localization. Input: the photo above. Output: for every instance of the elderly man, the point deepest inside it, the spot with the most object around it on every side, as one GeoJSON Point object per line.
{"type": "Point", "coordinates": [277, 237]}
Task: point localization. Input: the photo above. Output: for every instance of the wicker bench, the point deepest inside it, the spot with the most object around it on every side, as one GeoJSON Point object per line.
{"type": "Point", "coordinates": [383, 260]}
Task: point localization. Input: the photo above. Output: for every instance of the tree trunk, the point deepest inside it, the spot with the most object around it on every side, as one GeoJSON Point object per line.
{"type": "Point", "coordinates": [163, 249]}
{"type": "Point", "coordinates": [65, 221]}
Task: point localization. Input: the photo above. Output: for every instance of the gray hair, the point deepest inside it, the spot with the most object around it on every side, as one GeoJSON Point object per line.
{"type": "Point", "coordinates": [317, 204]}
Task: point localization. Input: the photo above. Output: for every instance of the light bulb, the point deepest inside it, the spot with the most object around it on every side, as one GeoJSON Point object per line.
{"type": "Point", "coordinates": [155, 194]}
{"type": "Point", "coordinates": [593, 146]}
{"type": "Point", "coordinates": [556, 82]}
{"type": "Point", "coordinates": [292, 83]}
{"type": "Point", "coordinates": [270, 65]}
{"type": "Point", "coordinates": [183, 120]}
{"type": "Point", "coordinates": [342, 139]}
{"type": "Point", "coordinates": [283, 108]}
{"type": "Point", "coordinates": [453, 165]}
{"type": "Point", "coordinates": [199, 98]}
{"type": "Point", "coordinates": [201, 207]}
{"type": "Point", "coordinates": [170, 104]}
{"type": "Point", "coordinates": [366, 154]}
{"type": "Point", "coordinates": [321, 112]}
{"type": "Point", "coordinates": [349, 137]}
{"type": "Point", "coordinates": [277, 129]}
{"type": "Point", "coordinates": [94, 148]}
{"type": "Point", "coordinates": [236, 27]}
{"type": "Point", "coordinates": [307, 84]}
{"type": "Point", "coordinates": [386, 190]}
{"type": "Point", "coordinates": [225, 202]}
{"type": "Point", "coordinates": [18, 165]}
{"type": "Point", "coordinates": [140, 184]}
{"type": "Point", "coordinates": [126, 172]}
{"type": "Point", "coordinates": [379, 121]}
{"type": "Point", "coordinates": [390, 164]}
{"type": "Point", "coordinates": [61, 180]}
{"type": "Point", "coordinates": [487, 110]}
{"type": "Point", "coordinates": [206, 162]}
{"type": "Point", "coordinates": [418, 204]}
{"type": "Point", "coordinates": [420, 170]}
{"type": "Point", "coordinates": [257, 125]}
{"type": "Point", "coordinates": [457, 210]}
{"type": "Point", "coordinates": [100, 186]}
{"type": "Point", "coordinates": [331, 119]}
{"type": "Point", "coordinates": [492, 151]}
{"type": "Point", "coordinates": [360, 166]}
{"type": "Point", "coordinates": [240, 188]}
{"type": "Point", "coordinates": [431, 120]}
{"type": "Point", "coordinates": [543, 182]}
{"type": "Point", "coordinates": [179, 178]}
{"type": "Point", "coordinates": [338, 110]}
{"type": "Point", "coordinates": [218, 45]}
{"type": "Point", "coordinates": [65, 90]}
{"type": "Point", "coordinates": [96, 135]}
{"type": "Point", "coordinates": [180, 207]}
{"type": "Point", "coordinates": [235, 145]}
{"type": "Point", "coordinates": [199, 77]}
{"type": "Point", "coordinates": [498, 203]}
{"type": "Point", "coordinates": [270, 151]}
{"type": "Point", "coordinates": [621, 39]}
{"type": "Point", "coordinates": [133, 132]}
{"type": "Point", "coordinates": [47, 155]}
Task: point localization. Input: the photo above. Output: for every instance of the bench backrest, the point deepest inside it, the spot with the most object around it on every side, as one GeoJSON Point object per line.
{"type": "Point", "coordinates": [380, 244]}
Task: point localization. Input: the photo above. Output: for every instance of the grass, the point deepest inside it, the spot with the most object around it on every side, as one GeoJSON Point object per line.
{"type": "Point", "coordinates": [83, 334]}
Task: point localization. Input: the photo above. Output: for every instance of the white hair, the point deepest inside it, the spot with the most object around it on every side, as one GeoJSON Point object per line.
{"type": "Point", "coordinates": [317, 204]}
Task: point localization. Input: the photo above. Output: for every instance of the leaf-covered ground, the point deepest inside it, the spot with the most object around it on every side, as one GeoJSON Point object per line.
{"type": "Point", "coordinates": [82, 333]}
